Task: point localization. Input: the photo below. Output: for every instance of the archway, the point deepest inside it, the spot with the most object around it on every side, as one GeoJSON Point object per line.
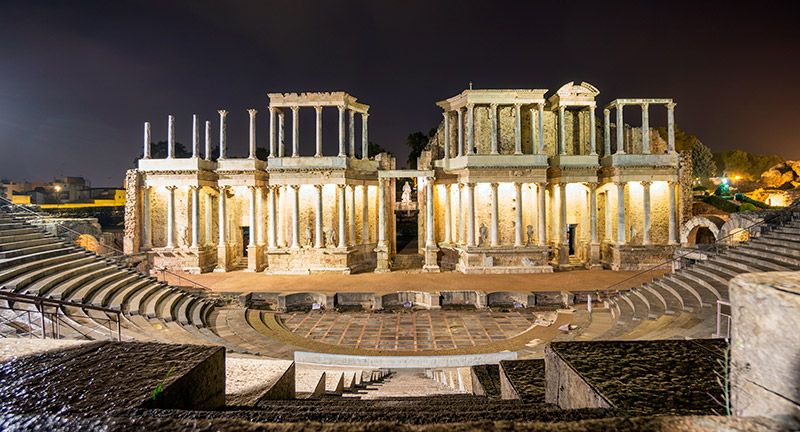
{"type": "Point", "coordinates": [701, 230]}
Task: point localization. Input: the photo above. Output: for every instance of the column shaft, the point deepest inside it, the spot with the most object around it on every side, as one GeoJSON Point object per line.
{"type": "Point", "coordinates": [562, 213]}
{"type": "Point", "coordinates": [592, 132]}
{"type": "Point", "coordinates": [259, 216]}
{"type": "Point", "coordinates": [517, 129]}
{"type": "Point", "coordinates": [195, 216]}
{"type": "Point", "coordinates": [207, 154]}
{"type": "Point", "coordinates": [318, 148]}
{"type": "Point", "coordinates": [541, 128]}
{"type": "Point", "coordinates": [470, 129]}
{"type": "Point", "coordinates": [620, 130]}
{"type": "Point", "coordinates": [295, 133]}
{"type": "Point", "coordinates": [671, 127]}
{"type": "Point", "coordinates": [493, 119]}
{"type": "Point", "coordinates": [318, 243]}
{"type": "Point", "coordinates": [208, 232]}
{"type": "Point", "coordinates": [430, 240]}
{"type": "Point", "coordinates": [671, 191]}
{"type": "Point", "coordinates": [223, 136]}
{"type": "Point", "coordinates": [542, 212]}
{"type": "Point", "coordinates": [593, 212]}
{"type": "Point", "coordinates": [271, 228]}
{"type": "Point", "coordinates": [342, 216]}
{"type": "Point", "coordinates": [171, 217]}
{"type": "Point", "coordinates": [446, 117]}
{"type": "Point", "coordinates": [281, 218]}
{"type": "Point", "coordinates": [493, 230]}
{"type": "Point", "coordinates": [252, 141]}
{"type": "Point", "coordinates": [646, 128]}
{"type": "Point", "coordinates": [352, 132]}
{"type": "Point", "coordinates": [195, 136]}
{"type": "Point", "coordinates": [364, 136]}
{"type": "Point", "coordinates": [221, 238]}
{"type": "Point", "coordinates": [448, 223]}
{"type": "Point", "coordinates": [470, 214]}
{"type": "Point", "coordinates": [606, 132]}
{"type": "Point", "coordinates": [170, 137]}
{"type": "Point", "coordinates": [518, 214]}
{"type": "Point", "coordinates": [621, 234]}
{"type": "Point", "coordinates": [281, 135]}
{"type": "Point", "coordinates": [364, 214]}
{"type": "Point", "coordinates": [342, 148]}
{"type": "Point", "coordinates": [381, 212]}
{"type": "Point", "coordinates": [272, 152]}
{"type": "Point", "coordinates": [646, 211]}
{"type": "Point", "coordinates": [147, 238]}
{"type": "Point", "coordinates": [295, 216]}
{"type": "Point", "coordinates": [147, 140]}
{"type": "Point", "coordinates": [251, 241]}
{"type": "Point", "coordinates": [561, 132]}
{"type": "Point", "coordinates": [352, 217]}
{"type": "Point", "coordinates": [460, 132]}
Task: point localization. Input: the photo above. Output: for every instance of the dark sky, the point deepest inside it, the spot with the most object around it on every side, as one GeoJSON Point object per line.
{"type": "Point", "coordinates": [77, 79]}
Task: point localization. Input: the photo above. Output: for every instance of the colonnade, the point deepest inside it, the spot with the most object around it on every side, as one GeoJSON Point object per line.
{"type": "Point", "coordinates": [619, 106]}
{"type": "Point", "coordinates": [277, 146]}
{"type": "Point", "coordinates": [468, 148]}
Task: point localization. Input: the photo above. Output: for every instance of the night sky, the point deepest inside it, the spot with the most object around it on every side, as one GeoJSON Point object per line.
{"type": "Point", "coordinates": [78, 79]}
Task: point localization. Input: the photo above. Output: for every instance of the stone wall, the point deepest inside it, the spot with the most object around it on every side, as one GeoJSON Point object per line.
{"type": "Point", "coordinates": [566, 388]}
{"type": "Point", "coordinates": [765, 346]}
{"type": "Point", "coordinates": [131, 240]}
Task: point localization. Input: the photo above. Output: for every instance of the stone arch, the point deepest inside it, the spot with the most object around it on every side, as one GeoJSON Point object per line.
{"type": "Point", "coordinates": [695, 225]}
{"type": "Point", "coordinates": [740, 227]}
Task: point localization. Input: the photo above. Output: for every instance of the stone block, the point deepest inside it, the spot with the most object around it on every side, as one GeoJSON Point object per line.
{"type": "Point", "coordinates": [566, 388]}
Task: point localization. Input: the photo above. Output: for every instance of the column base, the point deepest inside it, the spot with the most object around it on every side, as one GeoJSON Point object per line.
{"type": "Point", "coordinates": [563, 254]}
{"type": "Point", "coordinates": [431, 260]}
{"type": "Point", "coordinates": [594, 257]}
{"type": "Point", "coordinates": [382, 259]}
{"type": "Point", "coordinates": [223, 259]}
{"type": "Point", "coordinates": [255, 259]}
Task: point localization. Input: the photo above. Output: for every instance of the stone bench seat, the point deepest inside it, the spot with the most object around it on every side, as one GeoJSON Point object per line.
{"type": "Point", "coordinates": [673, 302]}
{"type": "Point", "coordinates": [150, 304]}
{"type": "Point", "coordinates": [708, 292]}
{"type": "Point", "coordinates": [655, 306]}
{"type": "Point", "coordinates": [702, 297]}
{"type": "Point", "coordinates": [20, 234]}
{"type": "Point", "coordinates": [688, 300]}
{"type": "Point", "coordinates": [137, 303]}
{"type": "Point", "coordinates": [86, 293]}
{"type": "Point", "coordinates": [180, 312]}
{"type": "Point", "coordinates": [199, 313]}
{"type": "Point", "coordinates": [776, 253]}
{"type": "Point", "coordinates": [22, 281]}
{"type": "Point", "coordinates": [21, 244]}
{"type": "Point", "coordinates": [28, 263]}
{"type": "Point", "coordinates": [711, 273]}
{"type": "Point", "coordinates": [120, 298]}
{"type": "Point", "coordinates": [77, 281]}
{"type": "Point", "coordinates": [768, 262]}
{"type": "Point", "coordinates": [641, 308]}
{"type": "Point", "coordinates": [165, 308]}
{"type": "Point", "coordinates": [779, 240]}
{"type": "Point", "coordinates": [32, 250]}
{"type": "Point", "coordinates": [742, 265]}
{"type": "Point", "coordinates": [46, 284]}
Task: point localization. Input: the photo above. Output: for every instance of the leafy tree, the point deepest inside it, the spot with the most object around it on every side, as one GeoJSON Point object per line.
{"type": "Point", "coordinates": [417, 141]}
{"type": "Point", "coordinates": [746, 164]}
{"type": "Point", "coordinates": [159, 151]}
{"type": "Point", "coordinates": [703, 165]}
{"type": "Point", "coordinates": [375, 148]}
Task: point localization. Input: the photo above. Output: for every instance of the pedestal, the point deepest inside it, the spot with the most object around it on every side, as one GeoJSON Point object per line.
{"type": "Point", "coordinates": [563, 253]}
{"type": "Point", "coordinates": [223, 259]}
{"type": "Point", "coordinates": [255, 259]}
{"type": "Point", "coordinates": [431, 260]}
{"type": "Point", "coordinates": [594, 257]}
{"type": "Point", "coordinates": [382, 256]}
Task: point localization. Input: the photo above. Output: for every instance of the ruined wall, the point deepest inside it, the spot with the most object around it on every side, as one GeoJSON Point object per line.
{"type": "Point", "coordinates": [132, 237]}
{"type": "Point", "coordinates": [566, 388]}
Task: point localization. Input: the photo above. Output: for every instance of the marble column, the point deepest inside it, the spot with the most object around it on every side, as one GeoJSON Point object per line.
{"type": "Point", "coordinates": [195, 215]}
{"type": "Point", "coordinates": [671, 127]}
{"type": "Point", "coordinates": [430, 240]}
{"type": "Point", "coordinates": [295, 216]}
{"type": "Point", "coordinates": [318, 147]}
{"type": "Point", "coordinates": [470, 128]}
{"type": "Point", "coordinates": [259, 216]}
{"type": "Point", "coordinates": [147, 140]}
{"type": "Point", "coordinates": [448, 222]}
{"type": "Point", "coordinates": [223, 135]}
{"type": "Point", "coordinates": [621, 230]}
{"type": "Point", "coordinates": [562, 213]}
{"type": "Point", "coordinates": [252, 240]}
{"type": "Point", "coordinates": [271, 228]}
{"type": "Point", "coordinates": [593, 212]}
{"type": "Point", "coordinates": [318, 243]}
{"type": "Point", "coordinates": [351, 215]}
{"type": "Point", "coordinates": [295, 131]}
{"type": "Point", "coordinates": [272, 152]}
{"type": "Point", "coordinates": [381, 212]}
{"type": "Point", "coordinates": [541, 128]}
{"type": "Point", "coordinates": [147, 237]}
{"type": "Point", "coordinates": [195, 136]}
{"type": "Point", "coordinates": [493, 119]}
{"type": "Point", "coordinates": [620, 130]}
{"type": "Point", "coordinates": [542, 213]}
{"type": "Point", "coordinates": [446, 119]}
{"type": "Point", "coordinates": [646, 211]}
{"type": "Point", "coordinates": [351, 133]}
{"type": "Point", "coordinates": [364, 214]}
{"type": "Point", "coordinates": [364, 136]}
{"type": "Point", "coordinates": [645, 128]}
{"type": "Point", "coordinates": [281, 135]}
{"type": "Point", "coordinates": [606, 132]}
{"type": "Point", "coordinates": [534, 136]}
{"type": "Point", "coordinates": [495, 224]}
{"type": "Point", "coordinates": [208, 233]}
{"type": "Point", "coordinates": [460, 215]}
{"type": "Point", "coordinates": [518, 129]}
{"type": "Point", "coordinates": [592, 132]}
{"type": "Point", "coordinates": [518, 214]}
{"type": "Point", "coordinates": [252, 147]}
{"type": "Point", "coordinates": [460, 129]}
{"type": "Point", "coordinates": [609, 217]}
{"type": "Point", "coordinates": [673, 208]}
{"type": "Point", "coordinates": [171, 216]}
{"type": "Point", "coordinates": [207, 154]}
{"type": "Point", "coordinates": [283, 192]}
{"type": "Point", "coordinates": [340, 196]}
{"type": "Point", "coordinates": [170, 137]}
{"type": "Point", "coordinates": [561, 132]}
{"type": "Point", "coordinates": [223, 219]}
{"type": "Point", "coordinates": [470, 214]}
{"type": "Point", "coordinates": [342, 148]}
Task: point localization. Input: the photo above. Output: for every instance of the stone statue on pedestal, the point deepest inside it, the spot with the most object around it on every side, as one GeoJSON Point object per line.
{"type": "Point", "coordinates": [406, 197]}
{"type": "Point", "coordinates": [483, 232]}
{"type": "Point", "coordinates": [307, 240]}
{"type": "Point", "coordinates": [330, 237]}
{"type": "Point", "coordinates": [529, 242]}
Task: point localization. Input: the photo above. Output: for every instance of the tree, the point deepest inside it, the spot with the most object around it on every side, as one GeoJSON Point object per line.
{"type": "Point", "coordinates": [375, 148]}
{"type": "Point", "coordinates": [746, 164]}
{"type": "Point", "coordinates": [417, 141]}
{"type": "Point", "coordinates": [159, 151]}
{"type": "Point", "coordinates": [703, 165]}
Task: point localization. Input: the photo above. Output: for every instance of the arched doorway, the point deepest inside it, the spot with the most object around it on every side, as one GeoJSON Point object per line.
{"type": "Point", "coordinates": [701, 235]}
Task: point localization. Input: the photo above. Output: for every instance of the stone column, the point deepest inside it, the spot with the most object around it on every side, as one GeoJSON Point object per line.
{"type": "Point", "coordinates": [223, 140]}
{"type": "Point", "coordinates": [195, 215]}
{"type": "Point", "coordinates": [364, 136]}
{"type": "Point", "coordinates": [563, 245]}
{"type": "Point", "coordinates": [259, 216]}
{"type": "Point", "coordinates": [534, 140]}
{"type": "Point", "coordinates": [430, 240]}
{"type": "Point", "coordinates": [446, 135]}
{"type": "Point", "coordinates": [646, 211]}
{"type": "Point", "coordinates": [342, 149]}
{"type": "Point", "coordinates": [606, 132]}
{"type": "Point", "coordinates": [460, 215]}
{"type": "Point", "coordinates": [381, 212]}
{"type": "Point", "coordinates": [470, 214]}
{"type": "Point", "coordinates": [223, 219]}
{"type": "Point", "coordinates": [542, 212]}
{"type": "Point", "coordinates": [170, 137]}
{"type": "Point", "coordinates": [340, 195]}
{"type": "Point", "coordinates": [448, 235]}
{"type": "Point", "coordinates": [352, 132]}
{"type": "Point", "coordinates": [147, 237]}
{"type": "Point", "coordinates": [272, 152]}
{"type": "Point", "coordinates": [518, 129]}
{"type": "Point", "coordinates": [295, 131]}
{"type": "Point", "coordinates": [208, 233]}
{"type": "Point", "coordinates": [541, 128]}
{"type": "Point", "coordinates": [295, 216]}
{"type": "Point", "coordinates": [271, 229]}
{"type": "Point", "coordinates": [252, 112]}
{"type": "Point", "coordinates": [195, 136]}
{"type": "Point", "coordinates": [352, 217]}
{"type": "Point", "coordinates": [281, 218]}
{"type": "Point", "coordinates": [518, 214]}
{"type": "Point", "coordinates": [673, 207]}
{"type": "Point", "coordinates": [470, 128]}
{"type": "Point", "coordinates": [561, 132]}
{"type": "Point", "coordinates": [621, 234]}
{"type": "Point", "coordinates": [671, 127]}
{"type": "Point", "coordinates": [593, 212]}
{"type": "Point", "coordinates": [318, 148]}
{"type": "Point", "coordinates": [493, 119]}
{"type": "Point", "coordinates": [281, 135]}
{"type": "Point", "coordinates": [620, 130]}
{"type": "Point", "coordinates": [252, 237]}
{"type": "Point", "coordinates": [171, 216]}
{"type": "Point", "coordinates": [364, 214]}
{"type": "Point", "coordinates": [646, 128]}
{"type": "Point", "coordinates": [493, 230]}
{"type": "Point", "coordinates": [318, 219]}
{"type": "Point", "coordinates": [592, 132]}
{"type": "Point", "coordinates": [460, 129]}
{"type": "Point", "coordinates": [207, 154]}
{"type": "Point", "coordinates": [147, 140]}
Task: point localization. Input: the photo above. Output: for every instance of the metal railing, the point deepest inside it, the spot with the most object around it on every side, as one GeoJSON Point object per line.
{"type": "Point", "coordinates": [51, 317]}
{"type": "Point", "coordinates": [196, 285]}
{"type": "Point", "coordinates": [723, 319]}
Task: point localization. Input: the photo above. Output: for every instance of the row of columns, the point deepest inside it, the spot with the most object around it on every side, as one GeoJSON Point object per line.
{"type": "Point", "coordinates": [620, 126]}
{"type": "Point", "coordinates": [276, 137]}
{"type": "Point", "coordinates": [537, 124]}
{"type": "Point", "coordinates": [562, 148]}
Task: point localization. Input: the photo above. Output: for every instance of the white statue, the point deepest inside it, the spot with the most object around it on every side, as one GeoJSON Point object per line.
{"type": "Point", "coordinates": [483, 232]}
{"type": "Point", "coordinates": [406, 197]}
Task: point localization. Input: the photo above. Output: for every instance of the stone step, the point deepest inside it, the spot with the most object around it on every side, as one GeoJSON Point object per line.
{"type": "Point", "coordinates": [679, 301]}
{"type": "Point", "coordinates": [701, 283]}
{"type": "Point", "coordinates": [739, 262]}
{"type": "Point", "coordinates": [22, 281]}
{"type": "Point", "coordinates": [165, 309]}
{"type": "Point", "coordinates": [6, 264]}
{"type": "Point", "coordinates": [21, 244]}
{"type": "Point", "coordinates": [777, 253]}
{"type": "Point", "coordinates": [75, 282]}
{"type": "Point", "coordinates": [779, 240]}
{"type": "Point", "coordinates": [788, 229]}
{"type": "Point", "coordinates": [655, 305]}
{"type": "Point", "coordinates": [704, 297]}
{"type": "Point", "coordinates": [86, 293]}
{"type": "Point", "coordinates": [20, 234]}
{"type": "Point", "coordinates": [768, 263]}
{"type": "Point", "coordinates": [671, 304]}
{"type": "Point", "coordinates": [120, 299]}
{"type": "Point", "coordinates": [137, 302]}
{"type": "Point", "coordinates": [32, 250]}
{"type": "Point", "coordinates": [46, 284]}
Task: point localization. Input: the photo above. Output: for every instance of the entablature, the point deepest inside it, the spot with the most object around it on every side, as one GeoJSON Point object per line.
{"type": "Point", "coordinates": [493, 97]}
{"type": "Point", "coordinates": [312, 99]}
